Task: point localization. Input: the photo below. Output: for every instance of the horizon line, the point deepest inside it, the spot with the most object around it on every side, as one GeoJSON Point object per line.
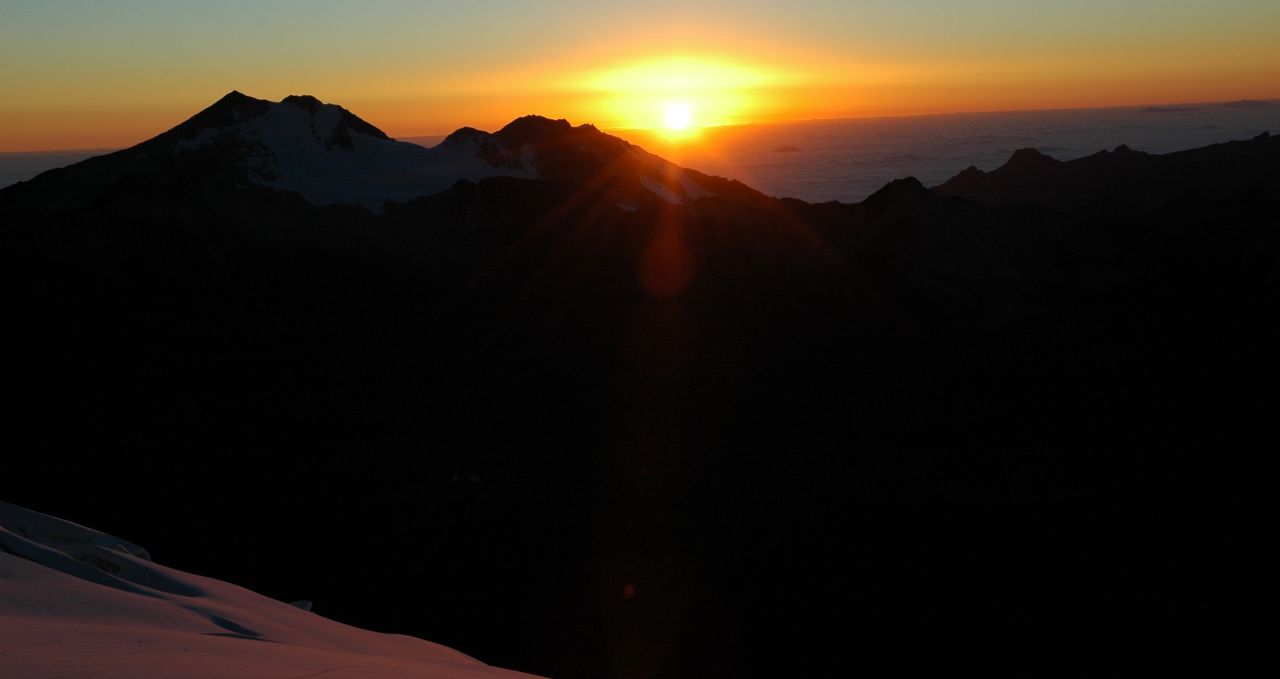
{"type": "Point", "coordinates": [792, 121]}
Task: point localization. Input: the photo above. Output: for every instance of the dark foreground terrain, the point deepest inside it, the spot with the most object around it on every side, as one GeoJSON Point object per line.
{"type": "Point", "coordinates": [1022, 417]}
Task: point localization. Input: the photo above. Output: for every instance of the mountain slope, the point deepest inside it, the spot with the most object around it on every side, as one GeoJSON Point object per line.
{"type": "Point", "coordinates": [77, 601]}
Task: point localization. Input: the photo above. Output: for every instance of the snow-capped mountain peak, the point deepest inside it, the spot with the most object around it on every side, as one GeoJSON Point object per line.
{"type": "Point", "coordinates": [326, 153]}
{"type": "Point", "coordinates": [330, 156]}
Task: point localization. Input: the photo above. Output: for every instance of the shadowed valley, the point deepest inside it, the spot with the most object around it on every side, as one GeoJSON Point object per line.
{"type": "Point", "coordinates": [567, 367]}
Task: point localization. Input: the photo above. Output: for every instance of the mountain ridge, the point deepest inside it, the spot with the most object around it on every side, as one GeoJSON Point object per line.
{"type": "Point", "coordinates": [534, 146]}
{"type": "Point", "coordinates": [331, 156]}
{"type": "Point", "coordinates": [1147, 180]}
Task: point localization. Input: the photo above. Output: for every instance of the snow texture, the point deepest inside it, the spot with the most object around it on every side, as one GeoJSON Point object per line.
{"type": "Point", "coordinates": [77, 602]}
{"type": "Point", "coordinates": [294, 148]}
{"type": "Point", "coordinates": [662, 191]}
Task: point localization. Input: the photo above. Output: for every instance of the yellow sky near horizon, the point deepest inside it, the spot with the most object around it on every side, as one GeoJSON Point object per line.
{"type": "Point", "coordinates": [108, 75]}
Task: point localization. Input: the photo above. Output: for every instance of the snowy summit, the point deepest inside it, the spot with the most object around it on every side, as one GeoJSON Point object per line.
{"type": "Point", "coordinates": [330, 156]}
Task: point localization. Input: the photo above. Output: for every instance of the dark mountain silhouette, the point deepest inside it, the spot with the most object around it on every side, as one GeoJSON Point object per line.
{"type": "Point", "coordinates": [330, 156]}
{"type": "Point", "coordinates": [1248, 103]}
{"type": "Point", "coordinates": [1143, 179]}
{"type": "Point", "coordinates": [1026, 402]}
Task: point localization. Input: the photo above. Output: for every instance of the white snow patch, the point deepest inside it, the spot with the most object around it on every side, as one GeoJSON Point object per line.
{"type": "Point", "coordinates": [77, 602]}
{"type": "Point", "coordinates": [662, 191]}
{"type": "Point", "coordinates": [290, 153]}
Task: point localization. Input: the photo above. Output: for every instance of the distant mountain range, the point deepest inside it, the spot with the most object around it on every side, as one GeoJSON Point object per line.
{"type": "Point", "coordinates": [580, 370]}
{"type": "Point", "coordinates": [1141, 179]}
{"type": "Point", "coordinates": [330, 156]}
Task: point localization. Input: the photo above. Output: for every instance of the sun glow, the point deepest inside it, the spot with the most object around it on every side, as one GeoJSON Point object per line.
{"type": "Point", "coordinates": [679, 95]}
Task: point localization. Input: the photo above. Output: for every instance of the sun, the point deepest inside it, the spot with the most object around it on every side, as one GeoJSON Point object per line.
{"type": "Point", "coordinates": [677, 95]}
{"type": "Point", "coordinates": [677, 116]}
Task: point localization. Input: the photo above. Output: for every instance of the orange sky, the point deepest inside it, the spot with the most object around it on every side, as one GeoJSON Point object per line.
{"type": "Point", "coordinates": [105, 75]}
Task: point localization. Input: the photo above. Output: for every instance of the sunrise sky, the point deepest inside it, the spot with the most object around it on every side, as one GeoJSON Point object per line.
{"type": "Point", "coordinates": [83, 74]}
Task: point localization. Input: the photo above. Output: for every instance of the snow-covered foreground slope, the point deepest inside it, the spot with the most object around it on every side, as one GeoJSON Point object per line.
{"type": "Point", "coordinates": [78, 603]}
